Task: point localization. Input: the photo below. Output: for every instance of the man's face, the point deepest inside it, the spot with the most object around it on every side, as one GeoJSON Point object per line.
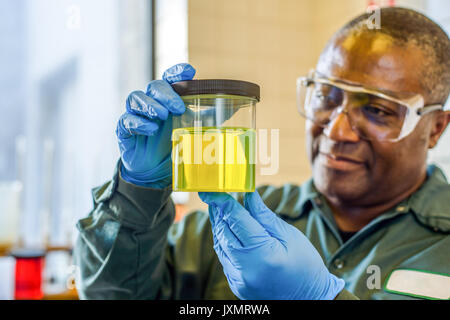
{"type": "Point", "coordinates": [368, 172]}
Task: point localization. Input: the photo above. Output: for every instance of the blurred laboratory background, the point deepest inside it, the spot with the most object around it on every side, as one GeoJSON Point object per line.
{"type": "Point", "coordinates": [67, 67]}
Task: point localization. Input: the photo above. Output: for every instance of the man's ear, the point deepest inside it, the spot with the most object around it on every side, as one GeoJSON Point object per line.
{"type": "Point", "coordinates": [440, 122]}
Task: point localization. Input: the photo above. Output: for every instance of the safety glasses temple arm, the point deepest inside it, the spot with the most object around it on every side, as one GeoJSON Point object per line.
{"type": "Point", "coordinates": [430, 108]}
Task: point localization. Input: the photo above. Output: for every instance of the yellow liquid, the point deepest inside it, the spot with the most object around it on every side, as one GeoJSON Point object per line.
{"type": "Point", "coordinates": [213, 159]}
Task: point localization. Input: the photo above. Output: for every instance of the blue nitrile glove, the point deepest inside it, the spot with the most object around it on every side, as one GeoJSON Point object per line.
{"type": "Point", "coordinates": [264, 257]}
{"type": "Point", "coordinates": [144, 130]}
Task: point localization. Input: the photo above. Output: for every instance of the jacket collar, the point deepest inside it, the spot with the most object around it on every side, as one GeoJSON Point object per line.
{"type": "Point", "coordinates": [430, 203]}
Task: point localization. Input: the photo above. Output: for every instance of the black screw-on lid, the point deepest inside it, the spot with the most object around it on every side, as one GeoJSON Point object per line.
{"type": "Point", "coordinates": [217, 86]}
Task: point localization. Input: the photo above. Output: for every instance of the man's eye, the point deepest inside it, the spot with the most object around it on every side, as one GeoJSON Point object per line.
{"type": "Point", "coordinates": [376, 111]}
{"type": "Point", "coordinates": [319, 95]}
{"type": "Point", "coordinates": [324, 99]}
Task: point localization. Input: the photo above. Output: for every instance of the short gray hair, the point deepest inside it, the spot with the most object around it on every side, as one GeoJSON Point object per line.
{"type": "Point", "coordinates": [409, 26]}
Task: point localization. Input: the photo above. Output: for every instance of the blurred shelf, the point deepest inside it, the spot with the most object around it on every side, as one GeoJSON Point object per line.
{"type": "Point", "coordinates": [58, 248]}
{"type": "Point", "coordinates": [5, 249]}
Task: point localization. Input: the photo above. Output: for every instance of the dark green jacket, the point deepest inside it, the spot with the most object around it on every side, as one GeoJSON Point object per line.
{"type": "Point", "coordinates": [129, 247]}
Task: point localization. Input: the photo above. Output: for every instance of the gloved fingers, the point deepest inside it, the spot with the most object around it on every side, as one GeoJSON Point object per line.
{"type": "Point", "coordinates": [274, 225]}
{"type": "Point", "coordinates": [223, 257]}
{"type": "Point", "coordinates": [246, 229]}
{"type": "Point", "coordinates": [130, 124]}
{"type": "Point", "coordinates": [141, 104]}
{"type": "Point", "coordinates": [162, 92]}
{"type": "Point", "coordinates": [226, 238]}
{"type": "Point", "coordinates": [233, 275]}
{"type": "Point", "coordinates": [336, 285]}
{"type": "Point", "coordinates": [214, 213]}
{"type": "Point", "coordinates": [216, 199]}
{"type": "Point", "coordinates": [179, 72]}
{"type": "Point", "coordinates": [229, 246]}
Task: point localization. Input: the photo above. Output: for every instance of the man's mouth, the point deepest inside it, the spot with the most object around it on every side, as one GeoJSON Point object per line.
{"type": "Point", "coordinates": [340, 162]}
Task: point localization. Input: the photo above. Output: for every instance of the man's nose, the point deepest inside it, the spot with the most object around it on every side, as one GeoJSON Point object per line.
{"type": "Point", "coordinates": [340, 129]}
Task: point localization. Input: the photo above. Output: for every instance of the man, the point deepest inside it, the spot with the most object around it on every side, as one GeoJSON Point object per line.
{"type": "Point", "coordinates": [372, 210]}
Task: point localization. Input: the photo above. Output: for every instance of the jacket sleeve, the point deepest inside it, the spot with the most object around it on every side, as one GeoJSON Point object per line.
{"type": "Point", "coordinates": [129, 248]}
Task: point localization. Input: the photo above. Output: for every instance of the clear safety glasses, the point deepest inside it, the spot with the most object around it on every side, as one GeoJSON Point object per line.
{"type": "Point", "coordinates": [373, 114]}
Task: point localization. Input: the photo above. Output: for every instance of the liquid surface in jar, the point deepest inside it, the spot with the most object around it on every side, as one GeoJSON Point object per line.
{"type": "Point", "coordinates": [212, 159]}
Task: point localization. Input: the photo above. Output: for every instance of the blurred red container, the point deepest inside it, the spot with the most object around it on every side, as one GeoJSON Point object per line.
{"type": "Point", "coordinates": [28, 274]}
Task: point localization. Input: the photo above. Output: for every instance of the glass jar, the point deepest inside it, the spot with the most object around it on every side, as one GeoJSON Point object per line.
{"type": "Point", "coordinates": [214, 141]}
